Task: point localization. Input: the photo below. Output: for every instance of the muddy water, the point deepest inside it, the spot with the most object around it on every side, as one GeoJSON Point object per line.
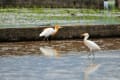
{"type": "Point", "coordinates": [59, 60]}
{"type": "Point", "coordinates": [33, 47]}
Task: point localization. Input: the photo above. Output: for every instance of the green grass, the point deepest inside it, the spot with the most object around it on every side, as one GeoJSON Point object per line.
{"type": "Point", "coordinates": [33, 16]}
{"type": "Point", "coordinates": [73, 17]}
{"type": "Point", "coordinates": [53, 10]}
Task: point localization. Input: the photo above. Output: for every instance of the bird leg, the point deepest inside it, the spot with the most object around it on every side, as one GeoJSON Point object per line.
{"type": "Point", "coordinates": [49, 38]}
{"type": "Point", "coordinates": [91, 53]}
{"type": "Point", "coordinates": [45, 38]}
{"type": "Point", "coordinates": [88, 54]}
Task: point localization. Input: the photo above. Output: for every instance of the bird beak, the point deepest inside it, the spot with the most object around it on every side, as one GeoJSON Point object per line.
{"type": "Point", "coordinates": [61, 27]}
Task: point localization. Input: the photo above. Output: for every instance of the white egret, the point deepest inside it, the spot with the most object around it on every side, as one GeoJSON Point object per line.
{"type": "Point", "coordinates": [48, 32]}
{"type": "Point", "coordinates": [92, 46]}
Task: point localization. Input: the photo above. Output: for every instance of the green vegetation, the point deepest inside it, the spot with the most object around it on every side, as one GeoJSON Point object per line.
{"type": "Point", "coordinates": [51, 16]}
{"type": "Point", "coordinates": [54, 10]}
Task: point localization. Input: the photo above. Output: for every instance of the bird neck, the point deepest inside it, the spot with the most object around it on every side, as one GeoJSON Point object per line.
{"type": "Point", "coordinates": [86, 37]}
{"type": "Point", "coordinates": [56, 29]}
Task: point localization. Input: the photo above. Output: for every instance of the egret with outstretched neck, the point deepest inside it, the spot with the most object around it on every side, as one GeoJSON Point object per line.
{"type": "Point", "coordinates": [48, 32]}
{"type": "Point", "coordinates": [92, 46]}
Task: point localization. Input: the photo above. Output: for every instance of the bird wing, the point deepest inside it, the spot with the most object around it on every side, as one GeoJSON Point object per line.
{"type": "Point", "coordinates": [47, 32]}
{"type": "Point", "coordinates": [92, 45]}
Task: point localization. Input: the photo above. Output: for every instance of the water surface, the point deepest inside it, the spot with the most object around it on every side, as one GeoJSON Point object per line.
{"type": "Point", "coordinates": [59, 60]}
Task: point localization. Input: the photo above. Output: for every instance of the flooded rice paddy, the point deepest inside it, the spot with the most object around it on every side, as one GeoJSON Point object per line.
{"type": "Point", "coordinates": [16, 18]}
{"type": "Point", "coordinates": [59, 60]}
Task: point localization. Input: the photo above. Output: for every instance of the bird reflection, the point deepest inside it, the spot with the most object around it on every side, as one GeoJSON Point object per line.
{"type": "Point", "coordinates": [91, 68]}
{"type": "Point", "coordinates": [49, 51]}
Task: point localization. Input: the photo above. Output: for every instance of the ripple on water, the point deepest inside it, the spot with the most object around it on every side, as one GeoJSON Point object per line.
{"type": "Point", "coordinates": [68, 66]}
{"type": "Point", "coordinates": [26, 61]}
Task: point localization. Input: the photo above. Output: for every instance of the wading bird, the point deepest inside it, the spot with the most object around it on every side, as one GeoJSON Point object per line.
{"type": "Point", "coordinates": [48, 32]}
{"type": "Point", "coordinates": [92, 46]}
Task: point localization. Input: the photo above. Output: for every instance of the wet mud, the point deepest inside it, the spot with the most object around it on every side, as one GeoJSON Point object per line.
{"type": "Point", "coordinates": [63, 46]}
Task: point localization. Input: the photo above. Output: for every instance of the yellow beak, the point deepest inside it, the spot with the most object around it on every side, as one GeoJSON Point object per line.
{"type": "Point", "coordinates": [61, 27]}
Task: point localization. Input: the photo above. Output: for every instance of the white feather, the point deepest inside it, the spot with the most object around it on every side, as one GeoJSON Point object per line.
{"type": "Point", "coordinates": [47, 32]}
{"type": "Point", "coordinates": [91, 45]}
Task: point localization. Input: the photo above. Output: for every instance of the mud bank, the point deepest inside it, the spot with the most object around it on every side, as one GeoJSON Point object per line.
{"type": "Point", "coordinates": [67, 32]}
